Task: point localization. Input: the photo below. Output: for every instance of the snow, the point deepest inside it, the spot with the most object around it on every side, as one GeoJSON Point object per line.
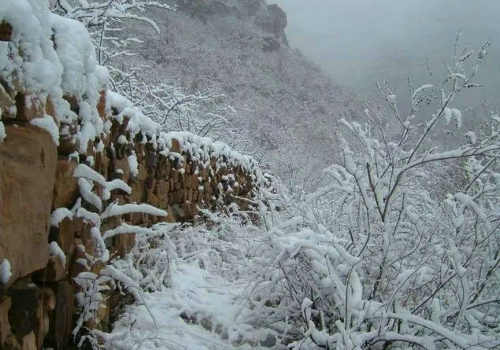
{"type": "Point", "coordinates": [5, 271]}
{"type": "Point", "coordinates": [194, 293]}
{"type": "Point", "coordinates": [453, 113]}
{"type": "Point", "coordinates": [133, 165]}
{"type": "Point", "coordinates": [125, 228]}
{"type": "Point", "coordinates": [101, 250]}
{"type": "Point", "coordinates": [59, 215]}
{"type": "Point", "coordinates": [122, 140]}
{"type": "Point", "coordinates": [88, 216]}
{"type": "Point", "coordinates": [77, 55]}
{"type": "Point", "coordinates": [421, 88]}
{"type": "Point", "coordinates": [55, 250]}
{"type": "Point", "coordinates": [115, 184]}
{"type": "Point", "coordinates": [87, 194]}
{"type": "Point", "coordinates": [39, 66]}
{"type": "Point", "coordinates": [203, 149]}
{"type": "Point", "coordinates": [115, 209]}
{"type": "Point", "coordinates": [47, 123]}
{"type": "Point", "coordinates": [87, 172]}
{"type": "Point", "coordinates": [3, 134]}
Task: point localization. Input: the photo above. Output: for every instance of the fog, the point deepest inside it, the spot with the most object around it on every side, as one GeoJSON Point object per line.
{"type": "Point", "coordinates": [361, 41]}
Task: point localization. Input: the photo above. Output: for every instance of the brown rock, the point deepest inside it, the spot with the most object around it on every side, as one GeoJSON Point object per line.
{"type": "Point", "coordinates": [5, 31]}
{"type": "Point", "coordinates": [29, 342]}
{"type": "Point", "coordinates": [28, 164]}
{"type": "Point", "coordinates": [64, 235]}
{"type": "Point", "coordinates": [66, 186]}
{"type": "Point", "coordinates": [46, 305]}
{"type": "Point", "coordinates": [49, 107]}
{"type": "Point", "coordinates": [123, 243]}
{"type": "Point", "coordinates": [55, 271]}
{"type": "Point", "coordinates": [61, 322]}
{"type": "Point", "coordinates": [26, 298]}
{"type": "Point", "coordinates": [79, 253]}
{"type": "Point", "coordinates": [73, 103]}
{"type": "Point", "coordinates": [11, 343]}
{"type": "Point", "coordinates": [176, 146]}
{"type": "Point", "coordinates": [101, 105]}
{"type": "Point", "coordinates": [67, 144]}
{"type": "Point", "coordinates": [5, 331]}
{"type": "Point", "coordinates": [29, 107]}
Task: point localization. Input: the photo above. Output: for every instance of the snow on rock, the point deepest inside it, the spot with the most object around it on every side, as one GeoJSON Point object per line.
{"type": "Point", "coordinates": [101, 250]}
{"type": "Point", "coordinates": [125, 229]}
{"type": "Point", "coordinates": [87, 172]}
{"type": "Point", "coordinates": [115, 184]}
{"type": "Point", "coordinates": [115, 209]}
{"type": "Point", "coordinates": [5, 271]}
{"type": "Point", "coordinates": [200, 148]}
{"type": "Point", "coordinates": [87, 194]}
{"type": "Point", "coordinates": [47, 123]}
{"type": "Point", "coordinates": [55, 250]}
{"type": "Point", "coordinates": [59, 215]}
{"type": "Point", "coordinates": [39, 67]}
{"type": "Point", "coordinates": [77, 55]}
{"type": "Point", "coordinates": [53, 56]}
{"type": "Point", "coordinates": [203, 149]}
{"type": "Point", "coordinates": [133, 165]}
{"type": "Point", "coordinates": [87, 216]}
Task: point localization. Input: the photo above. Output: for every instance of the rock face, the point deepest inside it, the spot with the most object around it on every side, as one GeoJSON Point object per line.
{"type": "Point", "coordinates": [270, 18]}
{"type": "Point", "coordinates": [273, 21]}
{"type": "Point", "coordinates": [56, 202]}
{"type": "Point", "coordinates": [28, 160]}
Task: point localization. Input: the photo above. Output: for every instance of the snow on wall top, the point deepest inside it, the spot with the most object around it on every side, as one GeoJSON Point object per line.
{"type": "Point", "coordinates": [50, 55]}
{"type": "Point", "coordinates": [200, 148]}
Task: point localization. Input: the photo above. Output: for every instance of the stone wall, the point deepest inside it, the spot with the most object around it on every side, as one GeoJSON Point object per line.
{"type": "Point", "coordinates": [60, 193]}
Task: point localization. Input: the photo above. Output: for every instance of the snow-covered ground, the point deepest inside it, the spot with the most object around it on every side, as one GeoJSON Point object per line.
{"type": "Point", "coordinates": [201, 308]}
{"type": "Point", "coordinates": [192, 314]}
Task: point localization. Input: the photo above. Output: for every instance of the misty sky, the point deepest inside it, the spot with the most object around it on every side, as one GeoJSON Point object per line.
{"type": "Point", "coordinates": [361, 41]}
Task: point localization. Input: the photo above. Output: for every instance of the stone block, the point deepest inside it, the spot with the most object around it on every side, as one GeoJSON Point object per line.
{"type": "Point", "coordinates": [28, 159]}
{"type": "Point", "coordinates": [66, 186]}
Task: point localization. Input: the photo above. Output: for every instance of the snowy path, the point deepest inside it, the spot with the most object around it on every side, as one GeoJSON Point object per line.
{"type": "Point", "coordinates": [197, 313]}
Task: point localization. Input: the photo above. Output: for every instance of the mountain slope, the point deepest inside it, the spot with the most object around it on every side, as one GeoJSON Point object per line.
{"type": "Point", "coordinates": [284, 104]}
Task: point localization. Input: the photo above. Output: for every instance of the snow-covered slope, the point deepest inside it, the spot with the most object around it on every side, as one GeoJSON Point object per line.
{"type": "Point", "coordinates": [284, 105]}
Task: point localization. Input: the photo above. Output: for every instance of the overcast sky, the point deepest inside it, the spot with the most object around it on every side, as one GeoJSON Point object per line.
{"type": "Point", "coordinates": [360, 41]}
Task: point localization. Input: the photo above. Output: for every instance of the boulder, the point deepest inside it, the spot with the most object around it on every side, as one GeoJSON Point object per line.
{"type": "Point", "coordinates": [28, 161]}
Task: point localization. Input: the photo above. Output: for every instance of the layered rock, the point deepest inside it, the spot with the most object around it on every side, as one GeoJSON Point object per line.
{"type": "Point", "coordinates": [79, 164]}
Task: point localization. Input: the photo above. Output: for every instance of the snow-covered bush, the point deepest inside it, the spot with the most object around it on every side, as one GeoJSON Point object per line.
{"type": "Point", "coordinates": [375, 257]}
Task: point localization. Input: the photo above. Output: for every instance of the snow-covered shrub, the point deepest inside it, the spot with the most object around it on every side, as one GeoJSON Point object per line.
{"type": "Point", "coordinates": [375, 257]}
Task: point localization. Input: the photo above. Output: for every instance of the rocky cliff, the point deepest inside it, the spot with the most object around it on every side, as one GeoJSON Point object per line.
{"type": "Point", "coordinates": [81, 172]}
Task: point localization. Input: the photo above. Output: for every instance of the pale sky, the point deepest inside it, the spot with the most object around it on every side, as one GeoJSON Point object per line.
{"type": "Point", "coordinates": [361, 41]}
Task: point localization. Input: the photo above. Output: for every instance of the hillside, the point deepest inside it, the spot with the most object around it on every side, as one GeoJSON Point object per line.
{"type": "Point", "coordinates": [285, 107]}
